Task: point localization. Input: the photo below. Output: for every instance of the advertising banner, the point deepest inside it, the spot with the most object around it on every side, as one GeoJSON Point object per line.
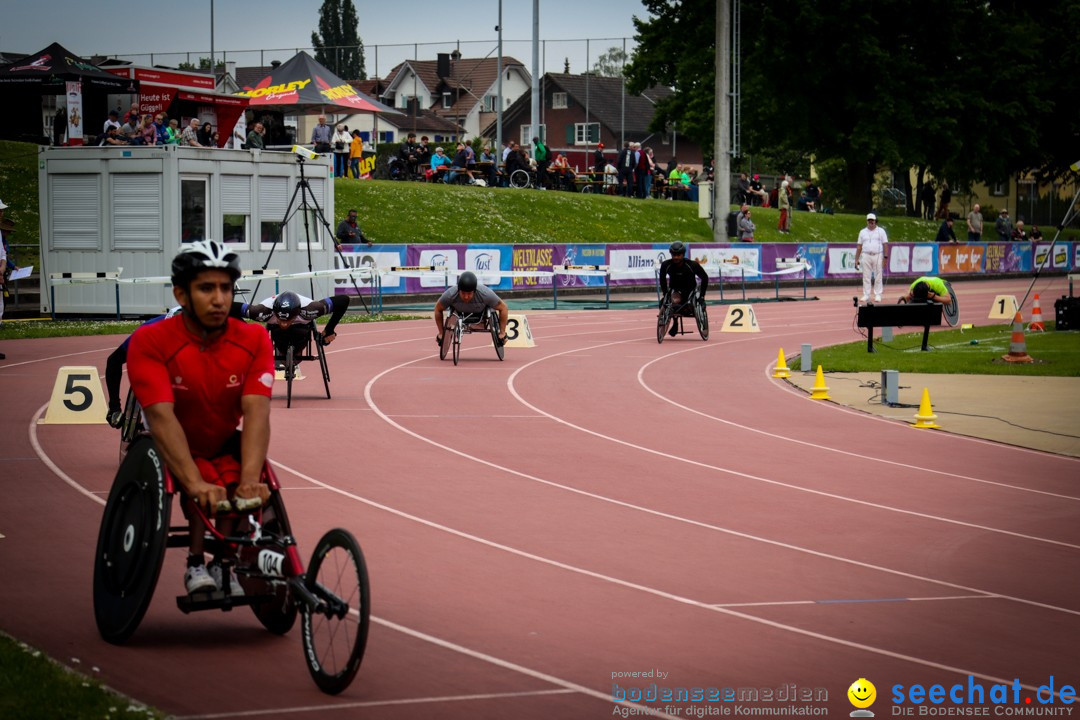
{"type": "Point", "coordinates": [483, 259]}
{"type": "Point", "coordinates": [729, 261]}
{"type": "Point", "coordinates": [383, 256]}
{"type": "Point", "coordinates": [448, 256]}
{"type": "Point", "coordinates": [912, 259]}
{"type": "Point", "coordinates": [580, 255]}
{"type": "Point", "coordinates": [966, 258]}
{"type": "Point", "coordinates": [532, 257]}
{"type": "Point", "coordinates": [1007, 257]}
{"type": "Point", "coordinates": [1059, 260]}
{"type": "Point", "coordinates": [74, 113]}
{"type": "Point", "coordinates": [155, 98]}
{"type": "Point", "coordinates": [639, 258]}
{"type": "Point", "coordinates": [842, 261]}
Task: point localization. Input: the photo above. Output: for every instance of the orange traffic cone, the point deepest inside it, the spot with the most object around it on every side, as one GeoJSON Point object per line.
{"type": "Point", "coordinates": [1036, 317]}
{"type": "Point", "coordinates": [1017, 346]}
{"type": "Point", "coordinates": [781, 370]}
{"type": "Point", "coordinates": [819, 391]}
{"type": "Point", "coordinates": [925, 417]}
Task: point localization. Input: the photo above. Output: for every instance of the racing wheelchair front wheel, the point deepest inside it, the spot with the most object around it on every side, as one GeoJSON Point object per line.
{"type": "Point", "coordinates": [290, 373]}
{"type": "Point", "coordinates": [335, 632]}
{"type": "Point", "coordinates": [456, 345]}
{"type": "Point", "coordinates": [701, 316]}
{"type": "Point", "coordinates": [663, 322]}
{"type": "Point", "coordinates": [493, 320]}
{"type": "Point", "coordinates": [131, 542]}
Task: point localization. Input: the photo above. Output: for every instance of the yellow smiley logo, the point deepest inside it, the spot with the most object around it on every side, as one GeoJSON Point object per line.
{"type": "Point", "coordinates": [862, 693]}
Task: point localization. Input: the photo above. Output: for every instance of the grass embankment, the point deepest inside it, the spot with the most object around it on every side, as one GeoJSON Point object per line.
{"type": "Point", "coordinates": [33, 686]}
{"type": "Point", "coordinates": [976, 351]}
{"type": "Point", "coordinates": [19, 191]}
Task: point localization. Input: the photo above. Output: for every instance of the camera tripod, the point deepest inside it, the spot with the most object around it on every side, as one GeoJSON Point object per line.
{"type": "Point", "coordinates": [309, 206]}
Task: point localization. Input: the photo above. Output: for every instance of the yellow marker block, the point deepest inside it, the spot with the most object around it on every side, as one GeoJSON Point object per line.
{"type": "Point", "coordinates": [77, 398]}
{"type": "Point", "coordinates": [925, 417]}
{"type": "Point", "coordinates": [819, 391]}
{"type": "Point", "coordinates": [740, 318]}
{"type": "Point", "coordinates": [1004, 308]}
{"type": "Point", "coordinates": [518, 333]}
{"type": "Point", "coordinates": [781, 370]}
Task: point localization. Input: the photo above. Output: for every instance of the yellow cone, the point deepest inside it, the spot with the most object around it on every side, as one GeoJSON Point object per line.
{"type": "Point", "coordinates": [925, 417]}
{"type": "Point", "coordinates": [781, 370]}
{"type": "Point", "coordinates": [819, 391]}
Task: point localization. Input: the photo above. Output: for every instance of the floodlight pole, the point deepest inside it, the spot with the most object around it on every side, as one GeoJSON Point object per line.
{"type": "Point", "coordinates": [499, 99]}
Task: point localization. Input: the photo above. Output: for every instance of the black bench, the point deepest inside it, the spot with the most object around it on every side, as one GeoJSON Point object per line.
{"type": "Point", "coordinates": [910, 314]}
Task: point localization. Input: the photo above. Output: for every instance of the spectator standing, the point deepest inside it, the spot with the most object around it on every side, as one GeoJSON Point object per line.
{"type": "Point", "coordinates": [348, 232]}
{"type": "Point", "coordinates": [320, 136]}
{"type": "Point", "coordinates": [161, 127]}
{"type": "Point", "coordinates": [745, 224]}
{"type": "Point", "coordinates": [927, 196]}
{"type": "Point", "coordinates": [341, 142]}
{"type": "Point", "coordinates": [650, 168]}
{"type": "Point", "coordinates": [543, 159]}
{"type": "Point", "coordinates": [783, 197]}
{"type": "Point", "coordinates": [871, 256]}
{"type": "Point", "coordinates": [190, 136]}
{"type": "Point", "coordinates": [356, 153]}
{"type": "Point", "coordinates": [206, 135]}
{"type": "Point", "coordinates": [945, 232]}
{"type": "Point", "coordinates": [423, 152]}
{"type": "Point", "coordinates": [743, 189]}
{"type": "Point", "coordinates": [599, 161]}
{"type": "Point", "coordinates": [946, 198]}
{"type": "Point", "coordinates": [975, 224]}
{"type": "Point", "coordinates": [173, 132]}
{"type": "Point", "coordinates": [1003, 226]}
{"type": "Point", "coordinates": [625, 164]}
{"type": "Point", "coordinates": [409, 155]}
{"type": "Point", "coordinates": [255, 138]}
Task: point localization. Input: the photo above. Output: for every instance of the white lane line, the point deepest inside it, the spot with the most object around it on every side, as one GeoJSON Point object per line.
{"type": "Point", "coordinates": [53, 357]}
{"type": "Point", "coordinates": [856, 600]}
{"type": "Point", "coordinates": [758, 478]}
{"type": "Point", "coordinates": [333, 707]}
{"type": "Point", "coordinates": [678, 518]}
{"type": "Point", "coordinates": [651, 591]}
{"type": "Point", "coordinates": [50, 464]}
{"type": "Point", "coordinates": [641, 381]}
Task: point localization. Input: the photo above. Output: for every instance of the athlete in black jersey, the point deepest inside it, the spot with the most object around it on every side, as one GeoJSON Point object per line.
{"type": "Point", "coordinates": [682, 273]}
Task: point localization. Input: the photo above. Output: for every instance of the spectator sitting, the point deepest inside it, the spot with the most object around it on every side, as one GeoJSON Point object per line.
{"type": "Point", "coordinates": [439, 160]}
{"type": "Point", "coordinates": [759, 196]}
{"type": "Point", "coordinates": [423, 152]}
{"type": "Point", "coordinates": [1018, 233]}
{"type": "Point", "coordinates": [743, 193]}
{"type": "Point", "coordinates": [113, 137]}
{"type": "Point", "coordinates": [803, 203]}
{"type": "Point", "coordinates": [611, 179]}
{"type": "Point", "coordinates": [148, 131]}
{"type": "Point", "coordinates": [813, 196]}
{"type": "Point", "coordinates": [132, 131]}
{"type": "Point", "coordinates": [488, 156]}
{"type": "Point", "coordinates": [460, 165]}
{"type": "Point", "coordinates": [1036, 234]}
{"type": "Point", "coordinates": [112, 121]}
{"type": "Point", "coordinates": [173, 132]}
{"type": "Point", "coordinates": [161, 126]}
{"type": "Point", "coordinates": [676, 188]}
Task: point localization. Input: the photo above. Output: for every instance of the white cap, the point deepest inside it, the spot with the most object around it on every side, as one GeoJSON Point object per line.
{"type": "Point", "coordinates": [871, 216]}
{"type": "Point", "coordinates": [2, 205]}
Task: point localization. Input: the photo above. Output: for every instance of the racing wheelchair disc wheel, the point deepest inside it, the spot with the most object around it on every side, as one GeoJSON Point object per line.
{"type": "Point", "coordinates": [701, 316]}
{"type": "Point", "coordinates": [663, 322]}
{"type": "Point", "coordinates": [519, 179]}
{"type": "Point", "coordinates": [290, 373]}
{"type": "Point", "coordinates": [499, 349]}
{"type": "Point", "coordinates": [335, 636]}
{"type": "Point", "coordinates": [131, 542]}
{"type": "Point", "coordinates": [951, 311]}
{"type": "Point", "coordinates": [278, 612]}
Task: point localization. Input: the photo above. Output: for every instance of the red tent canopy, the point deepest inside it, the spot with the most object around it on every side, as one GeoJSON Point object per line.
{"type": "Point", "coordinates": [302, 86]}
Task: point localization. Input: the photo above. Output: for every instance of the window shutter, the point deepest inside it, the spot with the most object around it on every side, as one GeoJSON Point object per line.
{"type": "Point", "coordinates": [273, 197]}
{"type": "Point", "coordinates": [136, 211]}
{"type": "Point", "coordinates": [236, 194]}
{"type": "Point", "coordinates": [80, 227]}
{"type": "Point", "coordinates": [570, 134]}
{"type": "Point", "coordinates": [594, 132]}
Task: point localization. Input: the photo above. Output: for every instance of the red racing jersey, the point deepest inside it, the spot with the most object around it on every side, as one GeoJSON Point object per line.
{"type": "Point", "coordinates": [169, 363]}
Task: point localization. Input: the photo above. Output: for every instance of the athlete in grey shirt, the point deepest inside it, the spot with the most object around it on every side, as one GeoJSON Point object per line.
{"type": "Point", "coordinates": [470, 298]}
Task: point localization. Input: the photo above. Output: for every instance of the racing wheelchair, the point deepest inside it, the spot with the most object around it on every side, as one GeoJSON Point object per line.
{"type": "Point", "coordinates": [674, 312]}
{"type": "Point", "coordinates": [466, 324]}
{"type": "Point", "coordinates": [332, 596]}
{"type": "Point", "coordinates": [313, 349]}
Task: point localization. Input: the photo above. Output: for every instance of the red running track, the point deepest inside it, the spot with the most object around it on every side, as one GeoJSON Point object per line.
{"type": "Point", "coordinates": [594, 506]}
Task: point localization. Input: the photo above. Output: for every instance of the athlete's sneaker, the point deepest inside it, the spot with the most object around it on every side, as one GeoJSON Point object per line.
{"type": "Point", "coordinates": [198, 580]}
{"type": "Point", "coordinates": [234, 585]}
{"type": "Point", "coordinates": [877, 298]}
{"type": "Point", "coordinates": [115, 418]}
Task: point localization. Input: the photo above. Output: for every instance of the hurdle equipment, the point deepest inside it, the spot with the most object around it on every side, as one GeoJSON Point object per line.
{"type": "Point", "coordinates": [740, 318]}
{"type": "Point", "coordinates": [781, 370]}
{"type": "Point", "coordinates": [518, 332]}
{"type": "Point", "coordinates": [1017, 345]}
{"type": "Point", "coordinates": [925, 417]}
{"type": "Point", "coordinates": [77, 398]}
{"type": "Point", "coordinates": [1003, 307]}
{"type": "Point", "coordinates": [1036, 316]}
{"type": "Point", "coordinates": [819, 391]}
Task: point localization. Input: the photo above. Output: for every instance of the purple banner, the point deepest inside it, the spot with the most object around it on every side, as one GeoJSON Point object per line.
{"type": "Point", "coordinates": [532, 257]}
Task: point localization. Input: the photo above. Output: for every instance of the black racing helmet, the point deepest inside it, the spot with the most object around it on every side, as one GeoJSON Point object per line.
{"type": "Point", "coordinates": [466, 282]}
{"type": "Point", "coordinates": [287, 305]}
{"type": "Point", "coordinates": [677, 248]}
{"type": "Point", "coordinates": [195, 257]}
{"type": "Point", "coordinates": [921, 292]}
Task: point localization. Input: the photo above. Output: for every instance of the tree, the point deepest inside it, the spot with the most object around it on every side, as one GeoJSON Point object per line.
{"type": "Point", "coordinates": [204, 64]}
{"type": "Point", "coordinates": [610, 64]}
{"type": "Point", "coordinates": [337, 43]}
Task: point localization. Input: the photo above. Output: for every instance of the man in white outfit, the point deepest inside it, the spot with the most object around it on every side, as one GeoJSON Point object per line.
{"type": "Point", "coordinates": [872, 255]}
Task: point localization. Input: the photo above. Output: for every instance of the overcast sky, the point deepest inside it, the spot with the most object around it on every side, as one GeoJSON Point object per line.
{"type": "Point", "coordinates": [278, 27]}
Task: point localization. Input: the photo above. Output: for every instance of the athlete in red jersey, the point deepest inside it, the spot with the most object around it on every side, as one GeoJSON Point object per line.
{"type": "Point", "coordinates": [196, 375]}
